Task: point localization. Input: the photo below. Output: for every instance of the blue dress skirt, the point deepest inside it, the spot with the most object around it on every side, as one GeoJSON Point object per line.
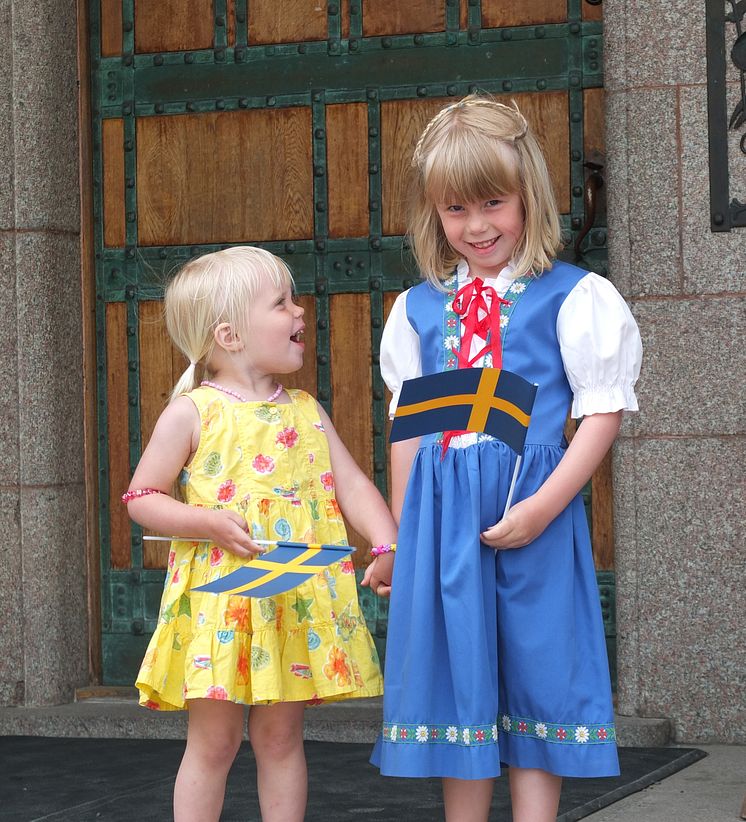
{"type": "Point", "coordinates": [495, 656]}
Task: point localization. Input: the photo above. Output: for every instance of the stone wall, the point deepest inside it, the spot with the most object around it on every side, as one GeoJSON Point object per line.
{"type": "Point", "coordinates": [678, 467]}
{"type": "Point", "coordinates": [43, 595]}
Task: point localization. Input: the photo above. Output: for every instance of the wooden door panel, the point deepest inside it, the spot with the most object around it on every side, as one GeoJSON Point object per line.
{"type": "Point", "coordinates": [173, 25]}
{"type": "Point", "coordinates": [415, 16]}
{"type": "Point", "coordinates": [117, 432]}
{"type": "Point", "coordinates": [347, 169]}
{"type": "Point", "coordinates": [499, 14]}
{"type": "Point", "coordinates": [112, 148]}
{"type": "Point", "coordinates": [351, 387]}
{"type": "Point", "coordinates": [111, 27]}
{"type": "Point", "coordinates": [205, 178]}
{"type": "Point", "coordinates": [290, 21]}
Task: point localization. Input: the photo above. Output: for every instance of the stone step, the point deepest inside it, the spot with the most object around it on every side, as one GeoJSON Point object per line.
{"type": "Point", "coordinates": [115, 714]}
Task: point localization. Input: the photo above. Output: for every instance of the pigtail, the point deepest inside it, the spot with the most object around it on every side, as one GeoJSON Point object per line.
{"type": "Point", "coordinates": [187, 382]}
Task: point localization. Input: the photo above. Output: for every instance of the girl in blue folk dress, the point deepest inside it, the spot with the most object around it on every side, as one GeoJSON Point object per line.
{"type": "Point", "coordinates": [496, 647]}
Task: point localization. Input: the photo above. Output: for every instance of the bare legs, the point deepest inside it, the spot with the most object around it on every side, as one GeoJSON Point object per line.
{"type": "Point", "coordinates": [276, 734]}
{"type": "Point", "coordinates": [467, 800]}
{"type": "Point", "coordinates": [213, 740]}
{"type": "Point", "coordinates": [534, 796]}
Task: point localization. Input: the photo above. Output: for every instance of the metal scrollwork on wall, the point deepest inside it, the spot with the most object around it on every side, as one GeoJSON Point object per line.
{"type": "Point", "coordinates": [724, 20]}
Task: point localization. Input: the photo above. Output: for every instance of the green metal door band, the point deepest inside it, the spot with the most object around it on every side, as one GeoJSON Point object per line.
{"type": "Point", "coordinates": [452, 63]}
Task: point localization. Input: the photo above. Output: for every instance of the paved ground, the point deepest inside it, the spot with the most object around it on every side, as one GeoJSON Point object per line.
{"type": "Point", "coordinates": [711, 790]}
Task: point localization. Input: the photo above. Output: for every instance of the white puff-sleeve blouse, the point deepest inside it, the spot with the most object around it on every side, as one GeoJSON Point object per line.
{"type": "Point", "coordinates": [598, 337]}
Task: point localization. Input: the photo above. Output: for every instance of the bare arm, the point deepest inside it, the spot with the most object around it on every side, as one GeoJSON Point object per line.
{"type": "Point", "coordinates": [171, 445]}
{"type": "Point", "coordinates": [528, 518]}
{"type": "Point", "coordinates": [402, 456]}
{"type": "Point", "coordinates": [364, 507]}
{"type": "Point", "coordinates": [358, 497]}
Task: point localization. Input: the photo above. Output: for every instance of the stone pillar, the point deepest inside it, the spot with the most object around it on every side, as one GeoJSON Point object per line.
{"type": "Point", "coordinates": [679, 512]}
{"type": "Point", "coordinates": [43, 593]}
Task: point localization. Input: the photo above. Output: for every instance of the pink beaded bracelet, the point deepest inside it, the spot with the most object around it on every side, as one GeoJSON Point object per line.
{"type": "Point", "coordinates": [127, 496]}
{"type": "Point", "coordinates": [377, 550]}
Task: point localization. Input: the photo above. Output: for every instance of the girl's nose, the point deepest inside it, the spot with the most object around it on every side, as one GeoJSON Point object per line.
{"type": "Point", "coordinates": [475, 222]}
{"type": "Point", "coordinates": [299, 310]}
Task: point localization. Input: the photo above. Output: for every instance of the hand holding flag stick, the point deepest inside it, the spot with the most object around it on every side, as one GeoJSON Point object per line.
{"type": "Point", "coordinates": [483, 400]}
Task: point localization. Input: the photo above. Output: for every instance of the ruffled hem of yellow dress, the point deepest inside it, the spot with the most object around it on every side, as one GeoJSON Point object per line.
{"type": "Point", "coordinates": [204, 667]}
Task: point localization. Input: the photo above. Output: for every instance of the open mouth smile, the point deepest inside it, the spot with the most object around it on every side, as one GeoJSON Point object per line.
{"type": "Point", "coordinates": [484, 244]}
{"type": "Point", "coordinates": [299, 336]}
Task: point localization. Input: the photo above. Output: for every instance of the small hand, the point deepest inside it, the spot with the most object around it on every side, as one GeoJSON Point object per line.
{"type": "Point", "coordinates": [525, 521]}
{"type": "Point", "coordinates": [229, 530]}
{"type": "Point", "coordinates": [378, 574]}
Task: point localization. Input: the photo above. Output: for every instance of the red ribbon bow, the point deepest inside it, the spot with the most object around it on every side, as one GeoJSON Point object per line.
{"type": "Point", "coordinates": [467, 304]}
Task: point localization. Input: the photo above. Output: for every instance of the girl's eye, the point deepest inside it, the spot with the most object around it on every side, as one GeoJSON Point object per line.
{"type": "Point", "coordinates": [454, 208]}
{"type": "Point", "coordinates": [493, 203]}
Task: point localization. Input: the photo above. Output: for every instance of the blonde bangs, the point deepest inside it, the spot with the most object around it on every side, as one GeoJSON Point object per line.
{"type": "Point", "coordinates": [467, 166]}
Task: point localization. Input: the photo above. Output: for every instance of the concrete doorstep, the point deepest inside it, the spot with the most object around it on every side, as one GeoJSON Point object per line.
{"type": "Point", "coordinates": [113, 713]}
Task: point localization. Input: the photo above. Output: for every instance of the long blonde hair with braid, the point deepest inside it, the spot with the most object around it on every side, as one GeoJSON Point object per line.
{"type": "Point", "coordinates": [472, 150]}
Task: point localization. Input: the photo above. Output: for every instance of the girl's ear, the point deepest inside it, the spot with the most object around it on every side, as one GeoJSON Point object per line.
{"type": "Point", "coordinates": [226, 338]}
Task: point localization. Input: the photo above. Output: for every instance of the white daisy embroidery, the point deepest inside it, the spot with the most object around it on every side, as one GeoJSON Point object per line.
{"type": "Point", "coordinates": [393, 733]}
{"type": "Point", "coordinates": [518, 288]}
{"type": "Point", "coordinates": [506, 722]}
{"type": "Point", "coordinates": [450, 342]}
{"type": "Point", "coordinates": [503, 320]}
{"type": "Point", "coordinates": [451, 733]}
{"type": "Point", "coordinates": [494, 731]}
{"type": "Point", "coordinates": [421, 733]}
{"type": "Point", "coordinates": [541, 730]}
{"type": "Point", "coordinates": [582, 734]}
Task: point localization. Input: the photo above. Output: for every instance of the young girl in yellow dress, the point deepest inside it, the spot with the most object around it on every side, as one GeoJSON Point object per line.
{"type": "Point", "coordinates": [254, 461]}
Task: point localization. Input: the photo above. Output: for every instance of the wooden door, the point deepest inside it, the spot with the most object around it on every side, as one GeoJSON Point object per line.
{"type": "Point", "coordinates": [290, 125]}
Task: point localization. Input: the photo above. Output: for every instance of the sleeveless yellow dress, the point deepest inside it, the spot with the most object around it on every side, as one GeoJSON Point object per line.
{"type": "Point", "coordinates": [270, 463]}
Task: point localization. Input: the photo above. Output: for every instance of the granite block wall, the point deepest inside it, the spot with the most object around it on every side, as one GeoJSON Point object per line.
{"type": "Point", "coordinates": [678, 467]}
{"type": "Point", "coordinates": [43, 595]}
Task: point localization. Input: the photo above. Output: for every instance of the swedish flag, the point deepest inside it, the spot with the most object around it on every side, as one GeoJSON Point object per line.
{"type": "Point", "coordinates": [490, 400]}
{"type": "Point", "coordinates": [279, 570]}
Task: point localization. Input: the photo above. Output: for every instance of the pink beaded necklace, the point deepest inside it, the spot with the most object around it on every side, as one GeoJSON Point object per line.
{"type": "Point", "coordinates": [275, 394]}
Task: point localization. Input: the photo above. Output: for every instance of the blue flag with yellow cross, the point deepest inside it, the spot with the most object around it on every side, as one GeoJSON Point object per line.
{"type": "Point", "coordinates": [279, 570]}
{"type": "Point", "coordinates": [489, 400]}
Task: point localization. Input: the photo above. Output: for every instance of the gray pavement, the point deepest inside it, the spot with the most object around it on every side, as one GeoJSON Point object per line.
{"type": "Point", "coordinates": [711, 790]}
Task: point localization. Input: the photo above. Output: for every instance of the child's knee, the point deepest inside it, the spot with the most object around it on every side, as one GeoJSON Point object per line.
{"type": "Point", "coordinates": [275, 737]}
{"type": "Point", "coordinates": [219, 749]}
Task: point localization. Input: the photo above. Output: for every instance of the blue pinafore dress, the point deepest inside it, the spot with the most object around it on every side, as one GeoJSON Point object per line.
{"type": "Point", "coordinates": [495, 656]}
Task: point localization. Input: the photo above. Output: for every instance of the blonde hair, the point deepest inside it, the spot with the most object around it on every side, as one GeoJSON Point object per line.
{"type": "Point", "coordinates": [473, 150]}
{"type": "Point", "coordinates": [213, 289]}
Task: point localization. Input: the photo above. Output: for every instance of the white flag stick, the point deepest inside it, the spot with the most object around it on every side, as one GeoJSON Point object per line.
{"type": "Point", "coordinates": [512, 485]}
{"type": "Point", "coordinates": [199, 539]}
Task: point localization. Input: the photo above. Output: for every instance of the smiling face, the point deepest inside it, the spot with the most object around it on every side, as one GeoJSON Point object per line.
{"type": "Point", "coordinates": [273, 340]}
{"type": "Point", "coordinates": [484, 232]}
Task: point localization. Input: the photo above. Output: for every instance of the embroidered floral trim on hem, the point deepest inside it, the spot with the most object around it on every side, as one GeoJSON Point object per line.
{"type": "Point", "coordinates": [441, 734]}
{"type": "Point", "coordinates": [565, 734]}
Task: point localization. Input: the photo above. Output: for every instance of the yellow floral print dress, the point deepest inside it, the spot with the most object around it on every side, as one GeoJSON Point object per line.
{"type": "Point", "coordinates": [270, 463]}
